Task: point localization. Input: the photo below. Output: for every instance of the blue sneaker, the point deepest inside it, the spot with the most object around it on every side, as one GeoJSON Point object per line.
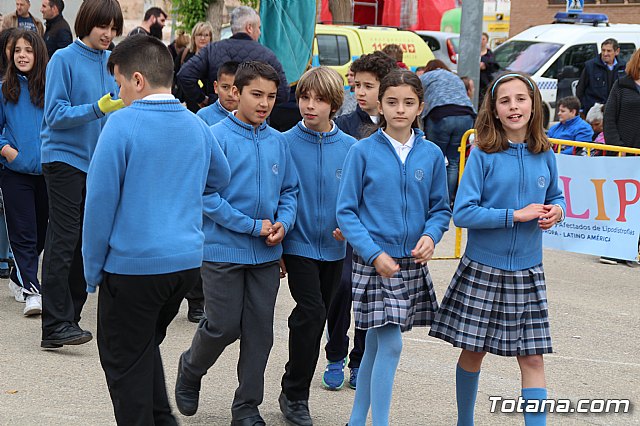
{"type": "Point", "coordinates": [353, 377]}
{"type": "Point", "coordinates": [333, 377]}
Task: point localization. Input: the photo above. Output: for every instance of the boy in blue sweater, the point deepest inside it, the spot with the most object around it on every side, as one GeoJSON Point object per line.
{"type": "Point", "coordinates": [143, 236]}
{"type": "Point", "coordinates": [312, 256]}
{"type": "Point", "coordinates": [571, 126]}
{"type": "Point", "coordinates": [244, 225]}
{"type": "Point", "coordinates": [227, 102]}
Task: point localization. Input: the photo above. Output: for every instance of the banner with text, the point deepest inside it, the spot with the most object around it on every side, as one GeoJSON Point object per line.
{"type": "Point", "coordinates": [603, 206]}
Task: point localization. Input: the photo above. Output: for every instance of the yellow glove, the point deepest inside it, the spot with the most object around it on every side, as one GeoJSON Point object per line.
{"type": "Point", "coordinates": [107, 104]}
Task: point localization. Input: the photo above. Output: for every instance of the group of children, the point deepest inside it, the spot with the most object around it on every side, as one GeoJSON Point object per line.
{"type": "Point", "coordinates": [238, 205]}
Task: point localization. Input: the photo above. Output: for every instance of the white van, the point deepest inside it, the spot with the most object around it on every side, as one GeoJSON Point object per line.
{"type": "Point", "coordinates": [554, 54]}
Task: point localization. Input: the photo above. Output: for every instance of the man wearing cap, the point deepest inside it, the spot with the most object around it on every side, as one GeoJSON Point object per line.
{"type": "Point", "coordinates": [21, 18]}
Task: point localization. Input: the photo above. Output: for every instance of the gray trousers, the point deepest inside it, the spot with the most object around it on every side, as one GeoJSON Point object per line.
{"type": "Point", "coordinates": [239, 300]}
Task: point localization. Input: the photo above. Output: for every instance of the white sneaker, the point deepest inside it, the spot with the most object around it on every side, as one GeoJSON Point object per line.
{"type": "Point", "coordinates": [17, 292]}
{"type": "Point", "coordinates": [33, 305]}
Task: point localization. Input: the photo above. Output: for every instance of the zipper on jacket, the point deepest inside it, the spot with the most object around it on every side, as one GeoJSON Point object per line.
{"type": "Point", "coordinates": [516, 225]}
{"type": "Point", "coordinates": [320, 204]}
{"type": "Point", "coordinates": [254, 137]}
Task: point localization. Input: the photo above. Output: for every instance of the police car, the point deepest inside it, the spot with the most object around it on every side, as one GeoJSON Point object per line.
{"type": "Point", "coordinates": [554, 54]}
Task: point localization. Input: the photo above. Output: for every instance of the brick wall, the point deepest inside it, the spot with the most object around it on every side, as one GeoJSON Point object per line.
{"type": "Point", "coordinates": [529, 13]}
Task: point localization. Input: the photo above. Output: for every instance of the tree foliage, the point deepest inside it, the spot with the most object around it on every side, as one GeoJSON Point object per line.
{"type": "Point", "coordinates": [190, 12]}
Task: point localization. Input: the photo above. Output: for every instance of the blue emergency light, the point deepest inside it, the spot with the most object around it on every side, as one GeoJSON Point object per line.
{"type": "Point", "coordinates": [581, 18]}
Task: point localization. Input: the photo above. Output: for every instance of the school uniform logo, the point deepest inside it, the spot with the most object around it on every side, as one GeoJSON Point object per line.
{"type": "Point", "coordinates": [419, 175]}
{"type": "Point", "coordinates": [275, 169]}
{"type": "Point", "coordinates": [542, 181]}
{"type": "Point", "coordinates": [339, 174]}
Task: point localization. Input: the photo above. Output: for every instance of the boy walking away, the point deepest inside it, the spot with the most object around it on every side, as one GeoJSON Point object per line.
{"type": "Point", "coordinates": [226, 102]}
{"type": "Point", "coordinates": [368, 71]}
{"type": "Point", "coordinates": [312, 256]}
{"type": "Point", "coordinates": [571, 126]}
{"type": "Point", "coordinates": [244, 225]}
{"type": "Point", "coordinates": [143, 234]}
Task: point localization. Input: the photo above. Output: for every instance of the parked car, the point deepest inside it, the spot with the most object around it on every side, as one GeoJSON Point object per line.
{"type": "Point", "coordinates": [443, 45]}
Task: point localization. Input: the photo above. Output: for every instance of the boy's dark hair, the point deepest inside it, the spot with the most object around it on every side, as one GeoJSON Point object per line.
{"type": "Point", "coordinates": [377, 63]}
{"type": "Point", "coordinates": [250, 70]}
{"type": "Point", "coordinates": [228, 68]}
{"type": "Point", "coordinates": [146, 55]}
{"type": "Point", "coordinates": [36, 80]}
{"type": "Point", "coordinates": [96, 13]}
{"type": "Point", "coordinates": [571, 103]}
{"type": "Point", "coordinates": [395, 51]}
{"type": "Point", "coordinates": [154, 11]}
{"type": "Point", "coordinates": [59, 4]}
{"type": "Point", "coordinates": [612, 41]}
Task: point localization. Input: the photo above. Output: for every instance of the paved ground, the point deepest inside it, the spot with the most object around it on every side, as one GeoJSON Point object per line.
{"type": "Point", "coordinates": [595, 319]}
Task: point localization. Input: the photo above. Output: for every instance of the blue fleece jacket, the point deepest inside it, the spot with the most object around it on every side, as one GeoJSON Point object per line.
{"type": "Point", "coordinates": [213, 113]}
{"type": "Point", "coordinates": [492, 187]}
{"type": "Point", "coordinates": [575, 129]}
{"type": "Point", "coordinates": [385, 205]}
{"type": "Point", "coordinates": [20, 128]}
{"type": "Point", "coordinates": [77, 77]}
{"type": "Point", "coordinates": [263, 185]}
{"type": "Point", "coordinates": [318, 158]}
{"type": "Point", "coordinates": [143, 213]}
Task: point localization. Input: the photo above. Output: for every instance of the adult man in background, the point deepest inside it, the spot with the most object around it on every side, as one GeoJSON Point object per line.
{"type": "Point", "coordinates": [21, 18]}
{"type": "Point", "coordinates": [153, 23]}
{"type": "Point", "coordinates": [599, 74]}
{"type": "Point", "coordinates": [58, 33]}
{"type": "Point", "coordinates": [242, 46]}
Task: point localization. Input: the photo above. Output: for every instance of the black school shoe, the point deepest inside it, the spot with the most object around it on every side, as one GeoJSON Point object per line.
{"type": "Point", "coordinates": [69, 334]}
{"type": "Point", "coordinates": [256, 420]}
{"type": "Point", "coordinates": [187, 393]}
{"type": "Point", "coordinates": [296, 412]}
{"type": "Point", "coordinates": [196, 312]}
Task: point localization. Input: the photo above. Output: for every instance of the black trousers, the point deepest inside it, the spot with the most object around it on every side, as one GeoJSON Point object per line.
{"type": "Point", "coordinates": [27, 213]}
{"type": "Point", "coordinates": [312, 284]}
{"type": "Point", "coordinates": [195, 296]}
{"type": "Point", "coordinates": [339, 320]}
{"type": "Point", "coordinates": [133, 315]}
{"type": "Point", "coordinates": [64, 289]}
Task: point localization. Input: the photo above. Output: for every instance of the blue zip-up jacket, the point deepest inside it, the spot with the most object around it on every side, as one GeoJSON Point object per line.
{"type": "Point", "coordinates": [213, 113]}
{"type": "Point", "coordinates": [575, 129]}
{"type": "Point", "coordinates": [77, 77]}
{"type": "Point", "coordinates": [387, 206]}
{"type": "Point", "coordinates": [20, 128]}
{"type": "Point", "coordinates": [263, 185]}
{"type": "Point", "coordinates": [143, 213]}
{"type": "Point", "coordinates": [318, 158]}
{"type": "Point", "coordinates": [492, 187]}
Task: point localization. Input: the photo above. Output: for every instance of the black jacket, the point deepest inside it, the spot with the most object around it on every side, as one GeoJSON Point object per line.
{"type": "Point", "coordinates": [621, 124]}
{"type": "Point", "coordinates": [596, 82]}
{"type": "Point", "coordinates": [357, 124]}
{"type": "Point", "coordinates": [57, 35]}
{"type": "Point", "coordinates": [239, 48]}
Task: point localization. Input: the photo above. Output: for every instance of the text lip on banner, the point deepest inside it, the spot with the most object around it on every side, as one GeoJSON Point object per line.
{"type": "Point", "coordinates": [603, 206]}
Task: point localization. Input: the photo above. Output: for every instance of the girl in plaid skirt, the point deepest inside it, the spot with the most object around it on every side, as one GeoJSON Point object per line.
{"type": "Point", "coordinates": [392, 208]}
{"type": "Point", "coordinates": [508, 195]}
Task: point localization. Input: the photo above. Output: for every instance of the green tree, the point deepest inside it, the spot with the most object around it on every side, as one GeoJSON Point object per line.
{"type": "Point", "coordinates": [190, 12]}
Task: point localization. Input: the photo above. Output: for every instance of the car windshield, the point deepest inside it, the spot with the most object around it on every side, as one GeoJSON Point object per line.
{"type": "Point", "coordinates": [524, 56]}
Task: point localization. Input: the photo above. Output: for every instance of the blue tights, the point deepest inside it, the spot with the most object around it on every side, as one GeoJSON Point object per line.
{"type": "Point", "coordinates": [383, 346]}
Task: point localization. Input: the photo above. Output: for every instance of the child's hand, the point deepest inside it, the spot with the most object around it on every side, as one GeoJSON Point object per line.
{"type": "Point", "coordinates": [424, 250]}
{"type": "Point", "coordinates": [337, 235]}
{"type": "Point", "coordinates": [266, 227]}
{"type": "Point", "coordinates": [107, 104]}
{"type": "Point", "coordinates": [531, 212]}
{"type": "Point", "coordinates": [551, 217]}
{"type": "Point", "coordinates": [386, 266]}
{"type": "Point", "coordinates": [276, 236]}
{"type": "Point", "coordinates": [9, 152]}
{"type": "Point", "coordinates": [283, 269]}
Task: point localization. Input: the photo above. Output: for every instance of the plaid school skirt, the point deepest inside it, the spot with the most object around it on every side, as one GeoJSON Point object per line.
{"type": "Point", "coordinates": [407, 299]}
{"type": "Point", "coordinates": [491, 310]}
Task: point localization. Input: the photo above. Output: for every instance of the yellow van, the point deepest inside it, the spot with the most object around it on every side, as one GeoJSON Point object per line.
{"type": "Point", "coordinates": [337, 46]}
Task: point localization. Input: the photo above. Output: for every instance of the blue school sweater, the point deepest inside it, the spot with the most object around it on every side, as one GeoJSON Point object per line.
{"type": "Point", "coordinates": [318, 158]}
{"type": "Point", "coordinates": [575, 129]}
{"type": "Point", "coordinates": [20, 127]}
{"type": "Point", "coordinates": [492, 187]}
{"type": "Point", "coordinates": [143, 213]}
{"type": "Point", "coordinates": [77, 77]}
{"type": "Point", "coordinates": [263, 185]}
{"type": "Point", "coordinates": [213, 114]}
{"type": "Point", "coordinates": [384, 205]}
